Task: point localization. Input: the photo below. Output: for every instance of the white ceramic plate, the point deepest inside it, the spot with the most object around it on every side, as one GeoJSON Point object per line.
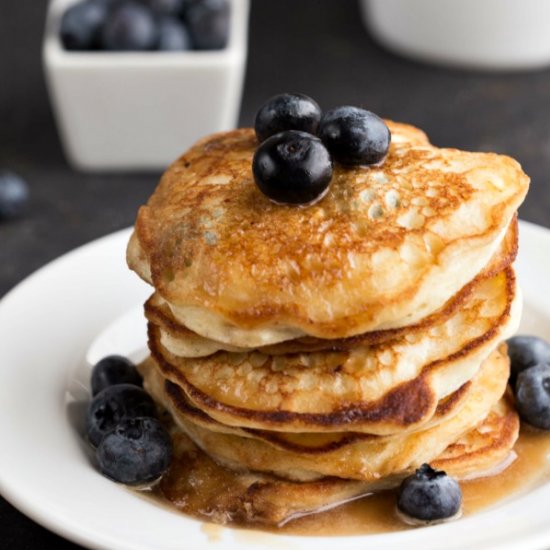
{"type": "Point", "coordinates": [85, 305]}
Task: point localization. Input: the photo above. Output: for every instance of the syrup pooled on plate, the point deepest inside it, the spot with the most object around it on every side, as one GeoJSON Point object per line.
{"type": "Point", "coordinates": [199, 487]}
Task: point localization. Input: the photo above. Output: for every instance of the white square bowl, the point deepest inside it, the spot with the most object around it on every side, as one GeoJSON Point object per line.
{"type": "Point", "coordinates": [141, 110]}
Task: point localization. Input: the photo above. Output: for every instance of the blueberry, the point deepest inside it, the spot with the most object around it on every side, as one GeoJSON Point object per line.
{"type": "Point", "coordinates": [355, 136]}
{"type": "Point", "coordinates": [81, 24]}
{"type": "Point", "coordinates": [167, 7]}
{"type": "Point", "coordinates": [173, 36]}
{"type": "Point", "coordinates": [113, 404]}
{"type": "Point", "coordinates": [14, 195]}
{"type": "Point", "coordinates": [429, 495]}
{"type": "Point", "coordinates": [525, 352]}
{"type": "Point", "coordinates": [287, 112]}
{"type": "Point", "coordinates": [208, 22]}
{"type": "Point", "coordinates": [533, 396]}
{"type": "Point", "coordinates": [292, 168]}
{"type": "Point", "coordinates": [130, 26]}
{"type": "Point", "coordinates": [137, 451]}
{"type": "Point", "coordinates": [112, 370]}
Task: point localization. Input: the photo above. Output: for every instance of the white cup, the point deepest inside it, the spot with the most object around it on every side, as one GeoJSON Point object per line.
{"type": "Point", "coordinates": [483, 34]}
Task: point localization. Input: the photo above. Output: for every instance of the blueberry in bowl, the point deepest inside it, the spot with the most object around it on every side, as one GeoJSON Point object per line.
{"type": "Point", "coordinates": [173, 35]}
{"type": "Point", "coordinates": [146, 25]}
{"type": "Point", "coordinates": [174, 8]}
{"type": "Point", "coordinates": [81, 25]}
{"type": "Point", "coordinates": [130, 26]}
{"type": "Point", "coordinates": [208, 22]}
{"type": "Point", "coordinates": [429, 496]}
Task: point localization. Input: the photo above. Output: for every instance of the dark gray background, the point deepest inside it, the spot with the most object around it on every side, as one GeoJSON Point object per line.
{"type": "Point", "coordinates": [318, 47]}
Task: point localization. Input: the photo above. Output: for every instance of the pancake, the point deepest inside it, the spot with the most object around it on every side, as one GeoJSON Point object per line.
{"type": "Point", "coordinates": [385, 248]}
{"type": "Point", "coordinates": [171, 397]}
{"type": "Point", "coordinates": [227, 496]}
{"type": "Point", "coordinates": [304, 457]}
{"type": "Point", "coordinates": [181, 341]}
{"type": "Point", "coordinates": [384, 389]}
{"type": "Point", "coordinates": [478, 452]}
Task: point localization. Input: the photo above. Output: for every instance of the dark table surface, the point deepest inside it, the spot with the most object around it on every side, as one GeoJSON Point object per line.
{"type": "Point", "coordinates": [318, 47]}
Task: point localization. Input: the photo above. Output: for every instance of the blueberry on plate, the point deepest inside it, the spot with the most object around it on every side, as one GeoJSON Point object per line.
{"type": "Point", "coordinates": [533, 396]}
{"type": "Point", "coordinates": [292, 168]}
{"type": "Point", "coordinates": [173, 36]}
{"type": "Point", "coordinates": [114, 369]}
{"type": "Point", "coordinates": [208, 22]}
{"type": "Point", "coordinates": [526, 351]}
{"type": "Point", "coordinates": [130, 27]}
{"type": "Point", "coordinates": [14, 195]}
{"type": "Point", "coordinates": [81, 24]}
{"type": "Point", "coordinates": [113, 404]}
{"type": "Point", "coordinates": [138, 450]}
{"type": "Point", "coordinates": [355, 136]}
{"type": "Point", "coordinates": [287, 112]}
{"type": "Point", "coordinates": [429, 495]}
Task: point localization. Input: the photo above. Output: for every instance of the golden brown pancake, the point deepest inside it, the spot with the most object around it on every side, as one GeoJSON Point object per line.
{"type": "Point", "coordinates": [305, 457]}
{"type": "Point", "coordinates": [385, 248]}
{"type": "Point", "coordinates": [307, 356]}
{"type": "Point", "coordinates": [226, 496]}
{"type": "Point", "coordinates": [389, 388]}
{"type": "Point", "coordinates": [183, 342]}
{"type": "Point", "coordinates": [477, 452]}
{"type": "Point", "coordinates": [171, 396]}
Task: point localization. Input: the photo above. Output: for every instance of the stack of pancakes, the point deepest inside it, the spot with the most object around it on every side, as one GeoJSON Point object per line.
{"type": "Point", "coordinates": [324, 352]}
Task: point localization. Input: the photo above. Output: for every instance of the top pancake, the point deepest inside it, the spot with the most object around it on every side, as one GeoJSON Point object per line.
{"type": "Point", "coordinates": [386, 247]}
{"type": "Point", "coordinates": [181, 341]}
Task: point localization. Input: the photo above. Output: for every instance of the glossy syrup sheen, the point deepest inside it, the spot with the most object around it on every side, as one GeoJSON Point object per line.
{"type": "Point", "coordinates": [191, 490]}
{"type": "Point", "coordinates": [376, 513]}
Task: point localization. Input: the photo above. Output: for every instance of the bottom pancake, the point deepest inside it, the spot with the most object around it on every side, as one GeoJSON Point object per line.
{"type": "Point", "coordinates": [306, 457]}
{"type": "Point", "coordinates": [198, 485]}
